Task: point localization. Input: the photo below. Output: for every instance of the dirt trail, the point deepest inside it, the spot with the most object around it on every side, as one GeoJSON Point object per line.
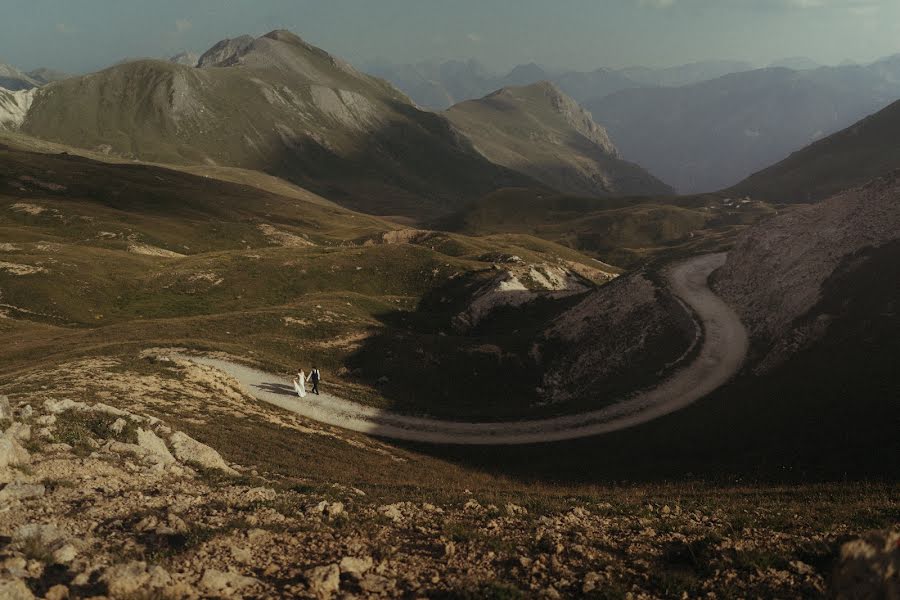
{"type": "Point", "coordinates": [723, 349]}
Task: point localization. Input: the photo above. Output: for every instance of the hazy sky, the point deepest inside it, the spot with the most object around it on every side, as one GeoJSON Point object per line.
{"type": "Point", "coordinates": [81, 35]}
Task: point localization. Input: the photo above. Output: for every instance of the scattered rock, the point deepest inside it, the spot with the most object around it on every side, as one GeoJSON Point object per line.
{"type": "Point", "coordinates": [46, 420]}
{"type": "Point", "coordinates": [118, 425]}
{"type": "Point", "coordinates": [189, 450]}
{"type": "Point", "coordinates": [19, 432]}
{"type": "Point", "coordinates": [12, 453]}
{"type": "Point", "coordinates": [26, 412]}
{"type": "Point", "coordinates": [225, 582]}
{"type": "Point", "coordinates": [592, 581]}
{"type": "Point", "coordinates": [131, 578]}
{"type": "Point", "coordinates": [391, 511]}
{"type": "Point", "coordinates": [376, 584]}
{"type": "Point", "coordinates": [21, 491]}
{"type": "Point", "coordinates": [65, 554]}
{"type": "Point", "coordinates": [324, 581]}
{"type": "Point", "coordinates": [356, 566]}
{"type": "Point", "coordinates": [60, 406]}
{"type": "Point", "coordinates": [242, 554]}
{"type": "Point", "coordinates": [57, 592]}
{"type": "Point", "coordinates": [5, 409]}
{"type": "Point", "coordinates": [514, 510]}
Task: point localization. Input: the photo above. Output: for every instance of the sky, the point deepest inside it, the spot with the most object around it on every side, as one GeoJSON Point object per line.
{"type": "Point", "coordinates": [84, 35]}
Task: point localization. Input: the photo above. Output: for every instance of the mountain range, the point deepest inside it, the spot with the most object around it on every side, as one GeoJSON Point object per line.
{"type": "Point", "coordinates": [274, 104]}
{"type": "Point", "coordinates": [440, 84]}
{"type": "Point", "coordinates": [711, 135]}
{"type": "Point", "coordinates": [279, 105]}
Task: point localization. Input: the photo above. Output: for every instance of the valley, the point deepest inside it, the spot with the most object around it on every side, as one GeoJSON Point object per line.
{"type": "Point", "coordinates": [546, 374]}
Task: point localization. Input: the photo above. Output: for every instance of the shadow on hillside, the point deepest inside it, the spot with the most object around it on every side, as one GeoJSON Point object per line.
{"type": "Point", "coordinates": [424, 364]}
{"type": "Point", "coordinates": [828, 414]}
{"type": "Point", "coordinates": [413, 165]}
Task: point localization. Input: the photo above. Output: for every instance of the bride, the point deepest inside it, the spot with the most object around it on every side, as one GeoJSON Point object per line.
{"type": "Point", "coordinates": [300, 383]}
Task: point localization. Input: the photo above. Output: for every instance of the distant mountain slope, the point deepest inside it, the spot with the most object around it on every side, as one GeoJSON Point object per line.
{"type": "Point", "coordinates": [846, 159]}
{"type": "Point", "coordinates": [279, 105]}
{"type": "Point", "coordinates": [680, 75]}
{"type": "Point", "coordinates": [711, 135]}
{"type": "Point", "coordinates": [438, 85]}
{"type": "Point", "coordinates": [13, 79]}
{"type": "Point", "coordinates": [14, 106]}
{"type": "Point", "coordinates": [540, 132]}
{"type": "Point", "coordinates": [44, 75]}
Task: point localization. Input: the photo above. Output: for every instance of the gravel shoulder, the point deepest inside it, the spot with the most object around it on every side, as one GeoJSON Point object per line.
{"type": "Point", "coordinates": [724, 346]}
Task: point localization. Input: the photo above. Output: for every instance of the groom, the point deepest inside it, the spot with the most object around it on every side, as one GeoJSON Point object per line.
{"type": "Point", "coordinates": [314, 378]}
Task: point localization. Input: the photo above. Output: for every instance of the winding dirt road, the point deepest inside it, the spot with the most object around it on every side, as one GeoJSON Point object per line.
{"type": "Point", "coordinates": [723, 350]}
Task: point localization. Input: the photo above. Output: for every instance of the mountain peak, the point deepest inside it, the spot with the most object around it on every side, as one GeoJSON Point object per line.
{"type": "Point", "coordinates": [284, 35]}
{"type": "Point", "coordinates": [541, 132]}
{"type": "Point", "coordinates": [226, 52]}
{"type": "Point", "coordinates": [547, 93]}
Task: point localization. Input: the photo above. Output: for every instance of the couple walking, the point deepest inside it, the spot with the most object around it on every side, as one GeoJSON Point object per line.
{"type": "Point", "coordinates": [300, 381]}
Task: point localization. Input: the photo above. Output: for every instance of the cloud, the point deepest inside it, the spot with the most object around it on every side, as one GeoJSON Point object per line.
{"type": "Point", "coordinates": [64, 28]}
{"type": "Point", "coordinates": [182, 25]}
{"type": "Point", "coordinates": [656, 3]}
{"type": "Point", "coordinates": [474, 37]}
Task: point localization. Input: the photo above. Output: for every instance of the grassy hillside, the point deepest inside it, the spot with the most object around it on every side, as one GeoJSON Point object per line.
{"type": "Point", "coordinates": [542, 133]}
{"type": "Point", "coordinates": [849, 158]}
{"type": "Point", "coordinates": [99, 257]}
{"type": "Point", "coordinates": [621, 231]}
{"type": "Point", "coordinates": [282, 107]}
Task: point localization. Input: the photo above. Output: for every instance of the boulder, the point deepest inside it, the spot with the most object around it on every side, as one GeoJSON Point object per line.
{"type": "Point", "coordinates": [57, 592]}
{"type": "Point", "coordinates": [190, 451]}
{"type": "Point", "coordinates": [5, 409]}
{"type": "Point", "coordinates": [60, 406]}
{"type": "Point", "coordinates": [12, 453]}
{"type": "Point", "coordinates": [869, 567]}
{"type": "Point", "coordinates": [65, 554]}
{"type": "Point", "coordinates": [14, 589]}
{"type": "Point", "coordinates": [21, 491]}
{"type": "Point", "coordinates": [324, 581]}
{"type": "Point", "coordinates": [134, 578]}
{"type": "Point", "coordinates": [149, 441]}
{"type": "Point", "coordinates": [19, 431]}
{"type": "Point", "coordinates": [356, 566]}
{"type": "Point", "coordinates": [225, 583]}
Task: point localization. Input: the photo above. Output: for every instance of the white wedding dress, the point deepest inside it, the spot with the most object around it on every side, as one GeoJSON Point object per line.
{"type": "Point", "coordinates": [300, 384]}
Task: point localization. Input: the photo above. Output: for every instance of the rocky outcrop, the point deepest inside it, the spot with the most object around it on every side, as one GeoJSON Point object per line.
{"type": "Point", "coordinates": [190, 451]}
{"type": "Point", "coordinates": [578, 117]}
{"type": "Point", "coordinates": [775, 274]}
{"type": "Point", "coordinates": [869, 567]}
{"type": "Point", "coordinates": [14, 107]}
{"type": "Point", "coordinates": [631, 325]}
{"type": "Point", "coordinates": [517, 283]}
